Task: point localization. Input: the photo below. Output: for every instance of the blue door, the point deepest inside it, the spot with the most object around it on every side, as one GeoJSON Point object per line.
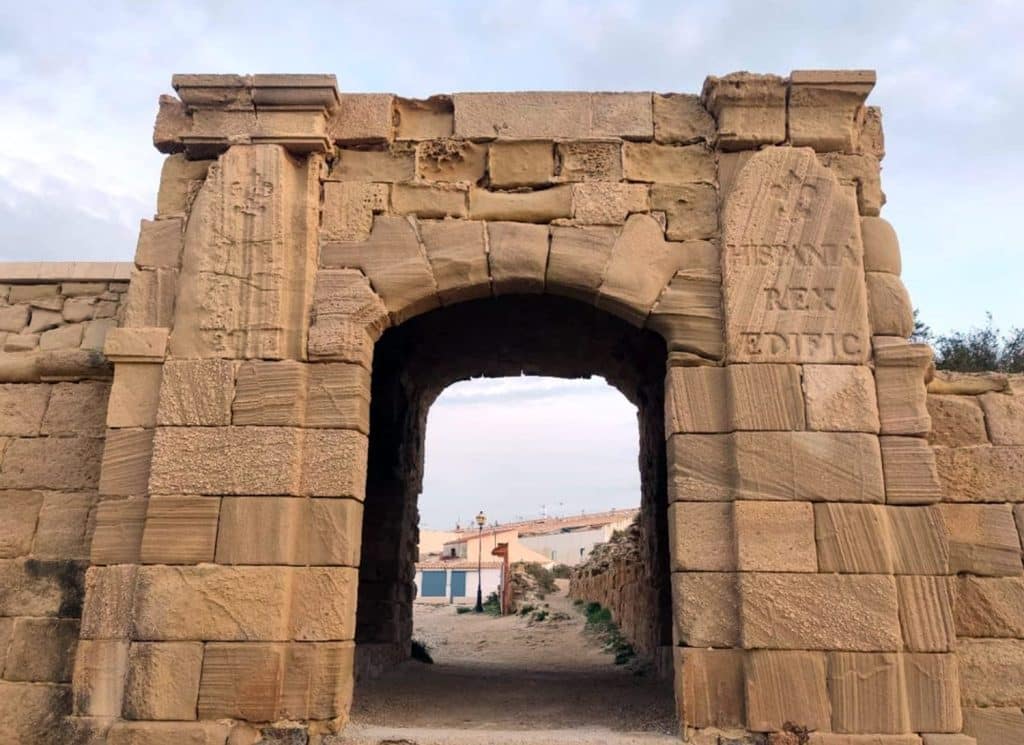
{"type": "Point", "coordinates": [433, 584]}
{"type": "Point", "coordinates": [458, 584]}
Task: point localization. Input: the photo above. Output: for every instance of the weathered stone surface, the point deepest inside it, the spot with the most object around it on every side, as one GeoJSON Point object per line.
{"type": "Point", "coordinates": [840, 398]}
{"type": "Point", "coordinates": [395, 263]}
{"type": "Point", "coordinates": [667, 164]}
{"type": "Point", "coordinates": [983, 539]}
{"type": "Point", "coordinates": [65, 527]}
{"type": "Point", "coordinates": [41, 650]}
{"type": "Point", "coordinates": [539, 206]}
{"type": "Point", "coordinates": [280, 530]}
{"type": "Point", "coordinates": [19, 511]}
{"type": "Point", "coordinates": [109, 612]}
{"type": "Point", "coordinates": [936, 739]}
{"type": "Point", "coordinates": [151, 298]}
{"type": "Point", "coordinates": [919, 540]}
{"type": "Point", "coordinates": [134, 396]}
{"type": "Point", "coordinates": [819, 611]}
{"type": "Point", "coordinates": [982, 473]}
{"type": "Point", "coordinates": [911, 475]}
{"type": "Point", "coordinates": [117, 538]}
{"type": "Point", "coordinates": [424, 119]}
{"type": "Point", "coordinates": [458, 259]}
{"type": "Point", "coordinates": [32, 715]}
{"type": "Point", "coordinates": [65, 337]}
{"type": "Point", "coordinates": [547, 115]}
{"type": "Point", "coordinates": [900, 372]}
{"type": "Point", "coordinates": [160, 243]}
{"type": "Point", "coordinates": [933, 692]}
{"type": "Point", "coordinates": [600, 203]}
{"type": "Point", "coordinates": [397, 163]}
{"type": "Point", "coordinates": [786, 687]}
{"type": "Point", "coordinates": [881, 247]}
{"type": "Point", "coordinates": [180, 530]}
{"type": "Point", "coordinates": [701, 536]}
{"type": "Point", "coordinates": [127, 456]}
{"type": "Point", "coordinates": [451, 160]}
{"type": "Point", "coordinates": [348, 209]}
{"type": "Point", "coordinates": [688, 313]}
{"type": "Point", "coordinates": [709, 687]}
{"type": "Point", "coordinates": [135, 344]}
{"type": "Point", "coordinates": [750, 109]}
{"type": "Point", "coordinates": [361, 118]}
{"type": "Point", "coordinates": [65, 463]}
{"type": "Point", "coordinates": [991, 671]}
{"type": "Point", "coordinates": [640, 265]}
{"type": "Point", "coordinates": [527, 163]}
{"type": "Point", "coordinates": [681, 118]}
{"type": "Point", "coordinates": [249, 258]}
{"type": "Point", "coordinates": [949, 383]}
{"type": "Point", "coordinates": [956, 421]}
{"type": "Point", "coordinates": [826, 107]}
{"type": "Point", "coordinates": [775, 465]}
{"type": "Point", "coordinates": [861, 174]}
{"type": "Point", "coordinates": [590, 160]}
{"type": "Point", "coordinates": [196, 392]}
{"type": "Point", "coordinates": [926, 613]}
{"type": "Point", "coordinates": [690, 209]}
{"type": "Point", "coordinates": [276, 681]}
{"type": "Point", "coordinates": [100, 668]}
{"type": "Point", "coordinates": [1004, 416]}
{"type": "Point", "coordinates": [735, 397]}
{"type": "Point", "coordinates": [168, 733]}
{"type": "Point", "coordinates": [793, 264]}
{"type": "Point", "coordinates": [578, 259]}
{"type": "Point", "coordinates": [517, 256]}
{"type": "Point", "coordinates": [889, 306]}
{"type": "Point", "coordinates": [22, 408]}
{"type": "Point", "coordinates": [163, 680]}
{"type": "Point", "coordinates": [866, 692]}
{"type": "Point", "coordinates": [994, 726]}
{"type": "Point", "coordinates": [853, 538]}
{"type": "Point", "coordinates": [348, 317]}
{"type": "Point", "coordinates": [705, 608]}
{"type": "Point", "coordinates": [76, 409]}
{"type": "Point", "coordinates": [30, 587]}
{"type": "Point", "coordinates": [989, 606]}
{"type": "Point", "coordinates": [180, 181]}
{"type": "Point", "coordinates": [774, 537]}
{"type": "Point", "coordinates": [429, 201]}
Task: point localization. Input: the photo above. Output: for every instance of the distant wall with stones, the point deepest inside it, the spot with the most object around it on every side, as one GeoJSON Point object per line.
{"type": "Point", "coordinates": [54, 387]}
{"type": "Point", "coordinates": [978, 439]}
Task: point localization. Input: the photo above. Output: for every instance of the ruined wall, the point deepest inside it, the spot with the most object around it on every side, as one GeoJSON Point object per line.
{"type": "Point", "coordinates": [54, 386]}
{"type": "Point", "coordinates": [978, 434]}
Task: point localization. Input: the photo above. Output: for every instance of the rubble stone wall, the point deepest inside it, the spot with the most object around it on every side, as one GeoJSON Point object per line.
{"type": "Point", "coordinates": [54, 386]}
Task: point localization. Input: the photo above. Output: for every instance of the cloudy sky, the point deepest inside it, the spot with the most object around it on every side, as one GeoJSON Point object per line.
{"type": "Point", "coordinates": [79, 83]}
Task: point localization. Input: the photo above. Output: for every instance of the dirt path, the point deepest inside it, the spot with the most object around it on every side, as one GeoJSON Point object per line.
{"type": "Point", "coordinates": [508, 674]}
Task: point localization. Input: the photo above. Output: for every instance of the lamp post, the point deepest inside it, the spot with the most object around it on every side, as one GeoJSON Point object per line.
{"type": "Point", "coordinates": [481, 518]}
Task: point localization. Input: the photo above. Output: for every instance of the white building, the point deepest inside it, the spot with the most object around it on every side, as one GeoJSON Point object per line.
{"type": "Point", "coordinates": [454, 580]}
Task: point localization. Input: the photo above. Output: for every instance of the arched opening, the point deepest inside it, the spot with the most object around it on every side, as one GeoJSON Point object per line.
{"type": "Point", "coordinates": [507, 336]}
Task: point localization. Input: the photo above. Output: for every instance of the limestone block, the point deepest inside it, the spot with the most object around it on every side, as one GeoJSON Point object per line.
{"type": "Point", "coordinates": [109, 609]}
{"type": "Point", "coordinates": [867, 693]}
{"type": "Point", "coordinates": [526, 163]}
{"type": "Point", "coordinates": [691, 209]}
{"type": "Point", "coordinates": [76, 409]}
{"type": "Point", "coordinates": [342, 340]}
{"type": "Point", "coordinates": [853, 538]}
{"type": "Point", "coordinates": [667, 164]}
{"type": "Point", "coordinates": [324, 603]}
{"type": "Point", "coordinates": [95, 335]}
{"type": "Point", "coordinates": [548, 115]}
{"type": "Point", "coordinates": [395, 264]}
{"type": "Point", "coordinates": [705, 608]}
{"type": "Point", "coordinates": [602, 203]}
{"type": "Point", "coordinates": [956, 421]}
{"type": "Point", "coordinates": [19, 511]}
{"type": "Point", "coordinates": [66, 523]}
{"type": "Point", "coordinates": [100, 668]}
{"type": "Point", "coordinates": [135, 344]}
{"type": "Point", "coordinates": [517, 256]}
{"type": "Point", "coordinates": [541, 206]}
{"type": "Point", "coordinates": [889, 306]}
{"type": "Point", "coordinates": [424, 119]}
{"type": "Point", "coordinates": [871, 136]}
{"type": "Point", "coordinates": [689, 312]}
{"type": "Point", "coordinates": [881, 247]}
{"type": "Point", "coordinates": [43, 320]}
{"type": "Point", "coordinates": [919, 540]}
{"type": "Point", "coordinates": [180, 181]}
{"type": "Point", "coordinates": [840, 398]}
{"type": "Point", "coordinates": [78, 309]}
{"type": "Point", "coordinates": [793, 264]}
{"type": "Point", "coordinates": [63, 463]}
{"type": "Point", "coordinates": [776, 466]}
{"type": "Point", "coordinates": [117, 538]}
{"type": "Point", "coordinates": [774, 537]}
{"type": "Point", "coordinates": [989, 606]}
{"type": "Point", "coordinates": [23, 342]}
{"type": "Point", "coordinates": [180, 530]}
{"type": "Point", "coordinates": [900, 372]}
{"type": "Point", "coordinates": [786, 687]}
{"type": "Point", "coordinates": [168, 733]}
{"type": "Point", "coordinates": [750, 109]}
{"type": "Point", "coordinates": [451, 160]}
{"type": "Point", "coordinates": [857, 613]}
{"type": "Point", "coordinates": [991, 671]}
{"type": "Point", "coordinates": [41, 295]}
{"type": "Point", "coordinates": [589, 160]}
{"type": "Point", "coordinates": [348, 209]}
{"type": "Point", "coordinates": [1004, 416]}
{"type": "Point", "coordinates": [361, 118]}
{"type": "Point", "coordinates": [735, 397]}
{"type": "Point", "coordinates": [333, 464]}
{"type": "Point", "coordinates": [33, 587]}
{"type": "Point", "coordinates": [709, 687]}
{"type": "Point", "coordinates": [826, 107]}
{"type": "Point", "coordinates": [163, 680]}
{"type": "Point", "coordinates": [429, 201]}
{"type": "Point", "coordinates": [346, 295]}
{"type": "Point", "coordinates": [578, 260]}
{"type": "Point", "coordinates": [458, 259]}
{"type": "Point", "coordinates": [861, 173]}
{"type": "Point", "coordinates": [937, 739]}
{"type": "Point", "coordinates": [639, 267]}
{"type": "Point", "coordinates": [994, 726]}
{"type": "Point", "coordinates": [702, 536]}
{"type": "Point", "coordinates": [926, 613]}
{"type": "Point", "coordinates": [14, 318]}
{"type": "Point", "coordinates": [127, 456]}
{"type": "Point", "coordinates": [981, 474]}
{"type": "Point", "coordinates": [33, 714]}
{"type": "Point", "coordinates": [41, 650]}
{"type": "Point", "coordinates": [933, 692]}
{"type": "Point", "coordinates": [983, 539]}
{"type": "Point", "coordinates": [396, 163]}
{"type": "Point", "coordinates": [160, 243]}
{"type": "Point", "coordinates": [196, 392]}
{"type": "Point", "coordinates": [280, 530]}
{"type": "Point", "coordinates": [79, 289]}
{"type": "Point", "coordinates": [681, 118]}
{"type": "Point", "coordinates": [151, 298]}
{"type": "Point", "coordinates": [911, 475]}
{"type": "Point", "coordinates": [65, 337]}
{"type": "Point", "coordinates": [249, 258]}
{"type": "Point", "coordinates": [134, 396]}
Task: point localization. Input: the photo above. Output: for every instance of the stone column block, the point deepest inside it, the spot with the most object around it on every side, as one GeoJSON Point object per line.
{"type": "Point", "coordinates": [901, 371]}
{"type": "Point", "coordinates": [826, 107]}
{"type": "Point", "coordinates": [750, 109]}
{"type": "Point", "coordinates": [134, 395]}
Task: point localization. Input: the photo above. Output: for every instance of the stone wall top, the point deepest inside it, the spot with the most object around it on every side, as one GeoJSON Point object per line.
{"type": "Point", "coordinates": [32, 272]}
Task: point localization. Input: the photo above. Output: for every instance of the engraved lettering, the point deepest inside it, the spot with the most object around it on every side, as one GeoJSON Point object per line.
{"type": "Point", "coordinates": [800, 298]}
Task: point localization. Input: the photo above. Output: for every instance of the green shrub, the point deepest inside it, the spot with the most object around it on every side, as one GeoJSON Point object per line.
{"type": "Point", "coordinates": [543, 577]}
{"type": "Point", "coordinates": [599, 621]}
{"type": "Point", "coordinates": [561, 571]}
{"type": "Point", "coordinates": [463, 609]}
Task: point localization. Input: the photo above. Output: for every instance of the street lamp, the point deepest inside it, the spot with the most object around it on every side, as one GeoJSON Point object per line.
{"type": "Point", "coordinates": [481, 518]}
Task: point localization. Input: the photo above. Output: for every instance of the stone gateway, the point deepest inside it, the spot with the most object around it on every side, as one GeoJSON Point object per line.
{"type": "Point", "coordinates": [211, 459]}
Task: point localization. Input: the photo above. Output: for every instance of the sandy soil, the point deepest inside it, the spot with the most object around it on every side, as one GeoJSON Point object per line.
{"type": "Point", "coordinates": [507, 674]}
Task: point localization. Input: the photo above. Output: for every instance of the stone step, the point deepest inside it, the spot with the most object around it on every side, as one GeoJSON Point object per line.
{"type": "Point", "coordinates": [356, 734]}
